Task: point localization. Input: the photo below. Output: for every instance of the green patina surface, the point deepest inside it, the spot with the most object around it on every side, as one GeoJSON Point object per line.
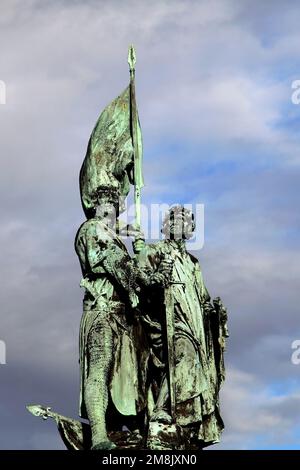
{"type": "Point", "coordinates": [151, 339]}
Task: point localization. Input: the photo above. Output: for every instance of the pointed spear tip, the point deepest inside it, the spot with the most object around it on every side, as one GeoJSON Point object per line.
{"type": "Point", "coordinates": [131, 57]}
{"type": "Point", "coordinates": [37, 410]}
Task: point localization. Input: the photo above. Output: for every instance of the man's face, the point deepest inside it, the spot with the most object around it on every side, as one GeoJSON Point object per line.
{"type": "Point", "coordinates": [177, 226]}
{"type": "Point", "coordinates": [106, 211]}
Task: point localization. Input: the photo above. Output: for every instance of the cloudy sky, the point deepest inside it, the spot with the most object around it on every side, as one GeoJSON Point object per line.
{"type": "Point", "coordinates": [214, 92]}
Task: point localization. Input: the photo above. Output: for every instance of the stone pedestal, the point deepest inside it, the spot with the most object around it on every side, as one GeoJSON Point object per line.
{"type": "Point", "coordinates": [172, 437]}
{"type": "Point", "coordinates": [165, 437]}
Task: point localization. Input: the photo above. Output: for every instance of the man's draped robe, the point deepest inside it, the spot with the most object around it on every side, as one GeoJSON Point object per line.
{"type": "Point", "coordinates": [198, 373]}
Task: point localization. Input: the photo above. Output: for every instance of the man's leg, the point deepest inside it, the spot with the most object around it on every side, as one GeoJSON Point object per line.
{"type": "Point", "coordinates": [100, 355]}
{"type": "Point", "coordinates": [161, 412]}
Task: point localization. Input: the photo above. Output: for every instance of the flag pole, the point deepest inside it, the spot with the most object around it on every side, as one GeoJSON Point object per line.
{"type": "Point", "coordinates": [137, 147]}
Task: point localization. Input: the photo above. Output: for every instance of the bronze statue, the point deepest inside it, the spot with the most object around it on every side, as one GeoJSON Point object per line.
{"type": "Point", "coordinates": [151, 341]}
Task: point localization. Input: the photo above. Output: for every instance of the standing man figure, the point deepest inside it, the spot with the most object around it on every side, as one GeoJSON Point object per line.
{"type": "Point", "coordinates": [188, 367]}
{"type": "Point", "coordinates": [108, 345]}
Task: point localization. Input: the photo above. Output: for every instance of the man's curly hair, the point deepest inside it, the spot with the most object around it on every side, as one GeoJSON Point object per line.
{"type": "Point", "coordinates": [104, 195]}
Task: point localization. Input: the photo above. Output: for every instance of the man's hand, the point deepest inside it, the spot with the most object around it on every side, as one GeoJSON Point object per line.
{"type": "Point", "coordinates": [138, 245]}
{"type": "Point", "coordinates": [139, 238]}
{"type": "Point", "coordinates": [134, 231]}
{"type": "Point", "coordinates": [131, 230]}
{"type": "Point", "coordinates": [165, 269]}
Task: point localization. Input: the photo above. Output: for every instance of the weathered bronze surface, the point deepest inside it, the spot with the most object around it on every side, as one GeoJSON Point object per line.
{"type": "Point", "coordinates": [151, 339]}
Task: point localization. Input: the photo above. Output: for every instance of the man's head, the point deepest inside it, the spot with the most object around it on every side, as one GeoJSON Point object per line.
{"type": "Point", "coordinates": [107, 206]}
{"type": "Point", "coordinates": [178, 223]}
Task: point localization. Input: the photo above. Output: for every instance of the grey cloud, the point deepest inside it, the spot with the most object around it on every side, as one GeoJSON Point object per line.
{"type": "Point", "coordinates": [204, 74]}
{"type": "Point", "coordinates": [258, 418]}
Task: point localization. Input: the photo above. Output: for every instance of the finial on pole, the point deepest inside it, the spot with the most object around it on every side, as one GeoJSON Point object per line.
{"type": "Point", "coordinates": [131, 58]}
